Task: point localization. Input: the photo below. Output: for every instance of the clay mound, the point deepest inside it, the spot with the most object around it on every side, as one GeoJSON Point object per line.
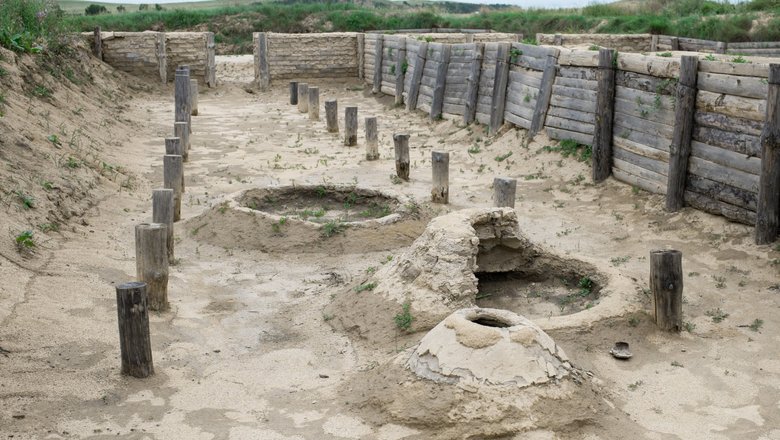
{"type": "Point", "coordinates": [476, 347]}
{"type": "Point", "coordinates": [343, 219]}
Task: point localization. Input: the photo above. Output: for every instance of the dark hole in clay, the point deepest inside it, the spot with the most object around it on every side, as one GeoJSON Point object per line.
{"type": "Point", "coordinates": [490, 322]}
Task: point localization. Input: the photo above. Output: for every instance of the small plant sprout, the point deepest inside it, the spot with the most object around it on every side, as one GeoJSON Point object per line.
{"type": "Point", "coordinates": [404, 319]}
{"type": "Point", "coordinates": [26, 200]}
{"type": "Point", "coordinates": [366, 286]}
{"type": "Point", "coordinates": [25, 241]}
{"type": "Point", "coordinates": [717, 315]}
{"type": "Point", "coordinates": [756, 325]}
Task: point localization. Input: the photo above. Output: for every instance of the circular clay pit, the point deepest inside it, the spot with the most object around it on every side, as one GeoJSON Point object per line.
{"type": "Point", "coordinates": [343, 219]}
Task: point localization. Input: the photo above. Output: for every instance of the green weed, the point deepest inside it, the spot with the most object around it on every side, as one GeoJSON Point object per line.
{"type": "Point", "coordinates": [404, 319]}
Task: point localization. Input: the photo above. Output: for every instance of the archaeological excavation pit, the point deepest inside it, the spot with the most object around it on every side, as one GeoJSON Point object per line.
{"type": "Point", "coordinates": [302, 218]}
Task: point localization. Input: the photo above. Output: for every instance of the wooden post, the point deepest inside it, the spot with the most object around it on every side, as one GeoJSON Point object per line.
{"type": "Point", "coordinates": [441, 79]}
{"type": "Point", "coordinates": [401, 142]}
{"type": "Point", "coordinates": [558, 40]}
{"type": "Point", "coordinates": [332, 115]}
{"type": "Point", "coordinates": [666, 283]}
{"type": "Point", "coordinates": [263, 71]}
{"type": "Point", "coordinates": [162, 212]}
{"type": "Point", "coordinates": [504, 192]}
{"type": "Point", "coordinates": [372, 139]}
{"type": "Point", "coordinates": [417, 74]}
{"type": "Point", "coordinates": [135, 344]}
{"type": "Point", "coordinates": [194, 97]}
{"type": "Point", "coordinates": [545, 93]}
{"type": "Point", "coordinates": [361, 53]}
{"type": "Point", "coordinates": [98, 45]}
{"type": "Point", "coordinates": [721, 47]}
{"type": "Point", "coordinates": [605, 102]}
{"type": "Point", "coordinates": [211, 64]}
{"type": "Point", "coordinates": [440, 163]}
{"type": "Point", "coordinates": [181, 130]}
{"type": "Point", "coordinates": [182, 95]}
{"type": "Point", "coordinates": [314, 103]}
{"type": "Point", "coordinates": [350, 126]}
{"type": "Point", "coordinates": [303, 95]}
{"type": "Point", "coordinates": [472, 84]}
{"type": "Point", "coordinates": [675, 43]}
{"type": "Point", "coordinates": [401, 64]}
{"type": "Point", "coordinates": [173, 146]}
{"type": "Point", "coordinates": [501, 80]}
{"type": "Point", "coordinates": [173, 172]}
{"type": "Point", "coordinates": [653, 43]}
{"type": "Point", "coordinates": [293, 92]}
{"type": "Point", "coordinates": [768, 208]}
{"type": "Point", "coordinates": [379, 55]}
{"type": "Point", "coordinates": [680, 148]}
{"type": "Point", "coordinates": [151, 262]}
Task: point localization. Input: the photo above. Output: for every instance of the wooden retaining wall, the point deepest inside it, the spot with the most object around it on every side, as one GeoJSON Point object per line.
{"type": "Point", "coordinates": [285, 56]}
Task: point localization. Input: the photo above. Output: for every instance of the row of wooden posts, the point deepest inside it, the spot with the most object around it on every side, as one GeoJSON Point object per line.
{"type": "Point", "coordinates": [307, 98]}
{"type": "Point", "coordinates": [154, 244]}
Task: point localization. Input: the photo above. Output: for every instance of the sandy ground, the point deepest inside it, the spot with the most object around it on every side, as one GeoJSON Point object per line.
{"type": "Point", "coordinates": [245, 352]}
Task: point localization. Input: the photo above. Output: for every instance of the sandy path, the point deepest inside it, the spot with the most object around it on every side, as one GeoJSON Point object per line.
{"type": "Point", "coordinates": [245, 352]}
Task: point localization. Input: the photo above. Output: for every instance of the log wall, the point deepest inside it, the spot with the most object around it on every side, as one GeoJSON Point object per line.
{"type": "Point", "coordinates": [326, 55]}
{"type": "Point", "coordinates": [619, 42]}
{"type": "Point", "coordinates": [572, 111]}
{"type": "Point", "coordinates": [191, 49]}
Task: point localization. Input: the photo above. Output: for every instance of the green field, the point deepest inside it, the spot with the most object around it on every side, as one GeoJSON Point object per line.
{"type": "Point", "coordinates": [78, 6]}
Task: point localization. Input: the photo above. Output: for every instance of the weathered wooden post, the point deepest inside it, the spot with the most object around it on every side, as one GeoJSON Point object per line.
{"type": "Point", "coordinates": [378, 56]}
{"type": "Point", "coordinates": [314, 103]}
{"type": "Point", "coordinates": [401, 142]}
{"type": "Point", "coordinates": [151, 262]}
{"type": "Point", "coordinates": [504, 192]}
{"type": "Point", "coordinates": [680, 148]}
{"type": "Point", "coordinates": [162, 212]}
{"type": "Point", "coordinates": [721, 47]}
{"type": "Point", "coordinates": [666, 283]}
{"type": "Point", "coordinates": [417, 74]}
{"type": "Point", "coordinates": [303, 97]}
{"type": "Point", "coordinates": [500, 82]}
{"type": "Point", "coordinates": [605, 111]}
{"type": "Point", "coordinates": [194, 96]}
{"type": "Point", "coordinates": [135, 344]}
{"type": "Point", "coordinates": [182, 95]}
{"type": "Point", "coordinates": [293, 92]}
{"type": "Point", "coordinates": [400, 72]}
{"type": "Point", "coordinates": [472, 84]}
{"type": "Point", "coordinates": [440, 163]}
{"type": "Point", "coordinates": [558, 40]}
{"type": "Point", "coordinates": [332, 115]}
{"type": "Point", "coordinates": [181, 130]}
{"type": "Point", "coordinates": [675, 42]}
{"type": "Point", "coordinates": [361, 53]}
{"type": "Point", "coordinates": [653, 43]}
{"type": "Point", "coordinates": [173, 146]}
{"type": "Point", "coordinates": [768, 207]}
{"type": "Point", "coordinates": [437, 102]}
{"type": "Point", "coordinates": [262, 70]}
{"type": "Point", "coordinates": [98, 45]}
{"type": "Point", "coordinates": [372, 139]}
{"type": "Point", "coordinates": [188, 96]}
{"type": "Point", "coordinates": [350, 126]}
{"type": "Point", "coordinates": [545, 92]}
{"type": "Point", "coordinates": [173, 176]}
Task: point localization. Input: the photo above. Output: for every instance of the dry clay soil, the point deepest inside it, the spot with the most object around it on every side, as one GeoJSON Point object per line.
{"type": "Point", "coordinates": [247, 352]}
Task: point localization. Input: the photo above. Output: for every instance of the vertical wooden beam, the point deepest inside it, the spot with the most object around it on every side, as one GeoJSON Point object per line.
{"type": "Point", "coordinates": [162, 56]}
{"type": "Point", "coordinates": [401, 65]}
{"type": "Point", "coordinates": [151, 262]}
{"type": "Point", "coordinates": [401, 142]}
{"type": "Point", "coordinates": [181, 130]}
{"type": "Point", "coordinates": [440, 164]}
{"type": "Point", "coordinates": [293, 92]}
{"type": "Point", "coordinates": [666, 283]}
{"type": "Point", "coordinates": [504, 192]}
{"type": "Point", "coordinates": [135, 344]}
{"type": "Point", "coordinates": [175, 147]}
{"type": "Point", "coordinates": [263, 72]}
{"type": "Point", "coordinates": [303, 97]}
{"type": "Point", "coordinates": [441, 79]}
{"type": "Point", "coordinates": [417, 74]}
{"type": "Point", "coordinates": [653, 43]}
{"type": "Point", "coordinates": [332, 115]}
{"type": "Point", "coordinates": [182, 111]}
{"type": "Point", "coordinates": [194, 97]}
{"type": "Point", "coordinates": [680, 148]}
{"type": "Point", "coordinates": [97, 47]}
{"type": "Point", "coordinates": [314, 103]}
{"type": "Point", "coordinates": [721, 47]}
{"type": "Point", "coordinates": [173, 176]}
{"type": "Point", "coordinates": [372, 139]}
{"type": "Point", "coordinates": [675, 43]}
{"type": "Point", "coordinates": [768, 208]}
{"type": "Point", "coordinates": [379, 55]}
{"type": "Point", "coordinates": [162, 212]}
{"type": "Point", "coordinates": [361, 54]}
{"type": "Point", "coordinates": [472, 84]}
{"type": "Point", "coordinates": [211, 64]}
{"type": "Point", "coordinates": [558, 40]}
{"type": "Point", "coordinates": [350, 126]}
{"type": "Point", "coordinates": [605, 110]}
{"type": "Point", "coordinates": [498, 100]}
{"type": "Point", "coordinates": [545, 93]}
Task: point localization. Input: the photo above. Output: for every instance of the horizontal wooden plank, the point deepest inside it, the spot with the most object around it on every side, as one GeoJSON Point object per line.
{"type": "Point", "coordinates": [576, 115]}
{"type": "Point", "coordinates": [729, 123]}
{"type": "Point", "coordinates": [640, 149]}
{"type": "Point", "coordinates": [537, 64]}
{"type": "Point", "coordinates": [642, 111]}
{"type": "Point", "coordinates": [643, 125]}
{"type": "Point", "coordinates": [726, 158]}
{"type": "Point", "coordinates": [760, 70]}
{"type": "Point", "coordinates": [577, 72]}
{"type": "Point", "coordinates": [646, 83]}
{"type": "Point", "coordinates": [748, 108]}
{"type": "Point", "coordinates": [560, 134]}
{"type": "Point", "coordinates": [649, 64]}
{"type": "Point", "coordinates": [517, 120]}
{"type": "Point", "coordinates": [741, 144]}
{"type": "Point", "coordinates": [526, 112]}
{"type": "Point", "coordinates": [722, 192]}
{"type": "Point", "coordinates": [648, 101]}
{"type": "Point", "coordinates": [731, 212]}
{"type": "Point", "coordinates": [639, 182]}
{"type": "Point", "coordinates": [653, 165]}
{"type": "Point", "coordinates": [719, 173]}
{"type": "Point", "coordinates": [587, 95]}
{"type": "Point", "coordinates": [749, 87]}
{"type": "Point", "coordinates": [626, 131]}
{"type": "Point", "coordinates": [573, 103]}
{"type": "Point", "coordinates": [525, 77]}
{"type": "Point", "coordinates": [569, 124]}
{"type": "Point", "coordinates": [640, 172]}
{"type": "Point", "coordinates": [577, 83]}
{"type": "Point", "coordinates": [535, 51]}
{"type": "Point", "coordinates": [454, 109]}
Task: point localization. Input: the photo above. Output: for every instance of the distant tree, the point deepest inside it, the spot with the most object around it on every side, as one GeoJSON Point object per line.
{"type": "Point", "coordinates": [157, 7]}
{"type": "Point", "coordinates": [143, 7]}
{"type": "Point", "coordinates": [95, 10]}
{"type": "Point", "coordinates": [120, 9]}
